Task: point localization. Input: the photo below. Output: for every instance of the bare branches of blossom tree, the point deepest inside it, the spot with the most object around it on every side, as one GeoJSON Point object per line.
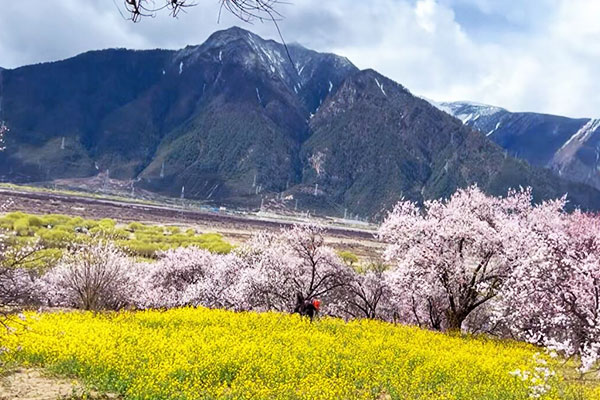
{"type": "Point", "coordinates": [138, 9]}
{"type": "Point", "coordinates": [369, 292]}
{"type": "Point", "coordinates": [246, 10]}
{"type": "Point", "coordinates": [17, 278]}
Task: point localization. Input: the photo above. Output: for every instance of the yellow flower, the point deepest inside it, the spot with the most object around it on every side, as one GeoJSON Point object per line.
{"type": "Point", "coordinates": [215, 354]}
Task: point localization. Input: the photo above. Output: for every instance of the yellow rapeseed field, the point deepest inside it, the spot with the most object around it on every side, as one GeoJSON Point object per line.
{"type": "Point", "coordinates": [214, 354]}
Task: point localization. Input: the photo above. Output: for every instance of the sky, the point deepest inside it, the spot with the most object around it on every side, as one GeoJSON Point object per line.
{"type": "Point", "coordinates": [523, 55]}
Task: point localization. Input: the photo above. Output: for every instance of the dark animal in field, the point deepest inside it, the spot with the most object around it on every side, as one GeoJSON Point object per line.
{"type": "Point", "coordinates": [306, 307]}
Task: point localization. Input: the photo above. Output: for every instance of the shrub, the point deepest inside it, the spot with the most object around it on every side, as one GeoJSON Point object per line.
{"type": "Point", "coordinates": [219, 247]}
{"type": "Point", "coordinates": [172, 230]}
{"type": "Point", "coordinates": [15, 215]}
{"type": "Point", "coordinates": [21, 226]}
{"type": "Point", "coordinates": [55, 238]}
{"type": "Point", "coordinates": [134, 226]}
{"type": "Point", "coordinates": [53, 220]}
{"type": "Point", "coordinates": [120, 234]}
{"type": "Point", "coordinates": [35, 221]}
{"type": "Point", "coordinates": [349, 258]}
{"type": "Point", "coordinates": [141, 249]}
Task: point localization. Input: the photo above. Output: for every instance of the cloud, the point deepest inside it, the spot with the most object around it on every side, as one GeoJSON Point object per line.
{"type": "Point", "coordinates": [526, 56]}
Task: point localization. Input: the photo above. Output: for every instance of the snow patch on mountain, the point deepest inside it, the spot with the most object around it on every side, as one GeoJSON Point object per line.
{"type": "Point", "coordinates": [380, 86]}
{"type": "Point", "coordinates": [467, 111]}
{"type": "Point", "coordinates": [258, 97]}
{"type": "Point", "coordinates": [495, 129]}
{"type": "Point", "coordinates": [584, 133]}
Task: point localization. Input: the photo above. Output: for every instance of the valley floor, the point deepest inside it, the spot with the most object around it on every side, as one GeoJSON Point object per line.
{"type": "Point", "coordinates": [236, 228]}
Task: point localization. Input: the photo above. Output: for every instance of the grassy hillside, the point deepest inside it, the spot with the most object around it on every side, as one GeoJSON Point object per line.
{"type": "Point", "coordinates": [211, 354]}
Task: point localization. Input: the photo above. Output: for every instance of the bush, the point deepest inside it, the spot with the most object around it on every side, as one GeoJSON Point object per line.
{"type": "Point", "coordinates": [107, 223]}
{"type": "Point", "coordinates": [15, 215]}
{"type": "Point", "coordinates": [349, 258]}
{"type": "Point", "coordinates": [21, 226]}
{"type": "Point", "coordinates": [120, 234]}
{"type": "Point", "coordinates": [35, 221]}
{"type": "Point", "coordinates": [210, 237]}
{"type": "Point", "coordinates": [55, 238]}
{"type": "Point", "coordinates": [217, 247]}
{"type": "Point", "coordinates": [141, 249]}
{"type": "Point", "coordinates": [53, 220]}
{"type": "Point", "coordinates": [172, 230]}
{"type": "Point", "coordinates": [135, 226]}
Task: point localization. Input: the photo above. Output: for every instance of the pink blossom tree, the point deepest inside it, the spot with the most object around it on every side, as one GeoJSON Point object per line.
{"type": "Point", "coordinates": [556, 301]}
{"type": "Point", "coordinates": [579, 293]}
{"type": "Point", "coordinates": [93, 276]}
{"type": "Point", "coordinates": [189, 276]}
{"type": "Point", "coordinates": [451, 256]}
{"type": "Point", "coordinates": [294, 263]}
{"type": "Point", "coordinates": [370, 293]}
{"type": "Point", "coordinates": [17, 279]}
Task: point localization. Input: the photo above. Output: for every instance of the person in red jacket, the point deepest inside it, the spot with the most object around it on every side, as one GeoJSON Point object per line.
{"type": "Point", "coordinates": [306, 307]}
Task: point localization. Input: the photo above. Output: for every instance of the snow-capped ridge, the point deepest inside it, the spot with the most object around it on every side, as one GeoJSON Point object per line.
{"type": "Point", "coordinates": [583, 134]}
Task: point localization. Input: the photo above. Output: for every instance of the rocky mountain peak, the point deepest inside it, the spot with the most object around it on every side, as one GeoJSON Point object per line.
{"type": "Point", "coordinates": [468, 111]}
{"type": "Point", "coordinates": [226, 36]}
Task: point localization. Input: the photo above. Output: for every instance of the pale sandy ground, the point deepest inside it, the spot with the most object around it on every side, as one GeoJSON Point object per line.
{"type": "Point", "coordinates": [34, 384]}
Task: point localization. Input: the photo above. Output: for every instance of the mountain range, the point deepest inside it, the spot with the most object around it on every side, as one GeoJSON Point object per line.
{"type": "Point", "coordinates": [239, 120]}
{"type": "Point", "coordinates": [568, 146]}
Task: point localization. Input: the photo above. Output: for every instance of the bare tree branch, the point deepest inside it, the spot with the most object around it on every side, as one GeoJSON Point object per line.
{"type": "Point", "coordinates": [246, 10]}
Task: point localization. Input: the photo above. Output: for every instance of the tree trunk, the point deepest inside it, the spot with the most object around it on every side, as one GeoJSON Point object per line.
{"type": "Point", "coordinates": [454, 321]}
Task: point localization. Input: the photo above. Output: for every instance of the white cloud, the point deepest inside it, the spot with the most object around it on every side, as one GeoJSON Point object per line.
{"type": "Point", "coordinates": [544, 58]}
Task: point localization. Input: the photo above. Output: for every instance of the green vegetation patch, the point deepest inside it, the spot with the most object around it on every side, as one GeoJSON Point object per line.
{"type": "Point", "coordinates": [56, 233]}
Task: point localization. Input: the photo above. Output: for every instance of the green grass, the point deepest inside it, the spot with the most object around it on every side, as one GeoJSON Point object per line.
{"type": "Point", "coordinates": [55, 232]}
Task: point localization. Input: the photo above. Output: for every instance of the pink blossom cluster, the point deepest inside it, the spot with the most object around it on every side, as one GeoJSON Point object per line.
{"type": "Point", "coordinates": [266, 274]}
{"type": "Point", "coordinates": [500, 265]}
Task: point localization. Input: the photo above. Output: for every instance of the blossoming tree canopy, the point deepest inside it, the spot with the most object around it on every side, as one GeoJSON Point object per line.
{"type": "Point", "coordinates": [452, 255]}
{"type": "Point", "coordinates": [93, 276]}
{"type": "Point", "coordinates": [556, 301]}
{"type": "Point", "coordinates": [296, 261]}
